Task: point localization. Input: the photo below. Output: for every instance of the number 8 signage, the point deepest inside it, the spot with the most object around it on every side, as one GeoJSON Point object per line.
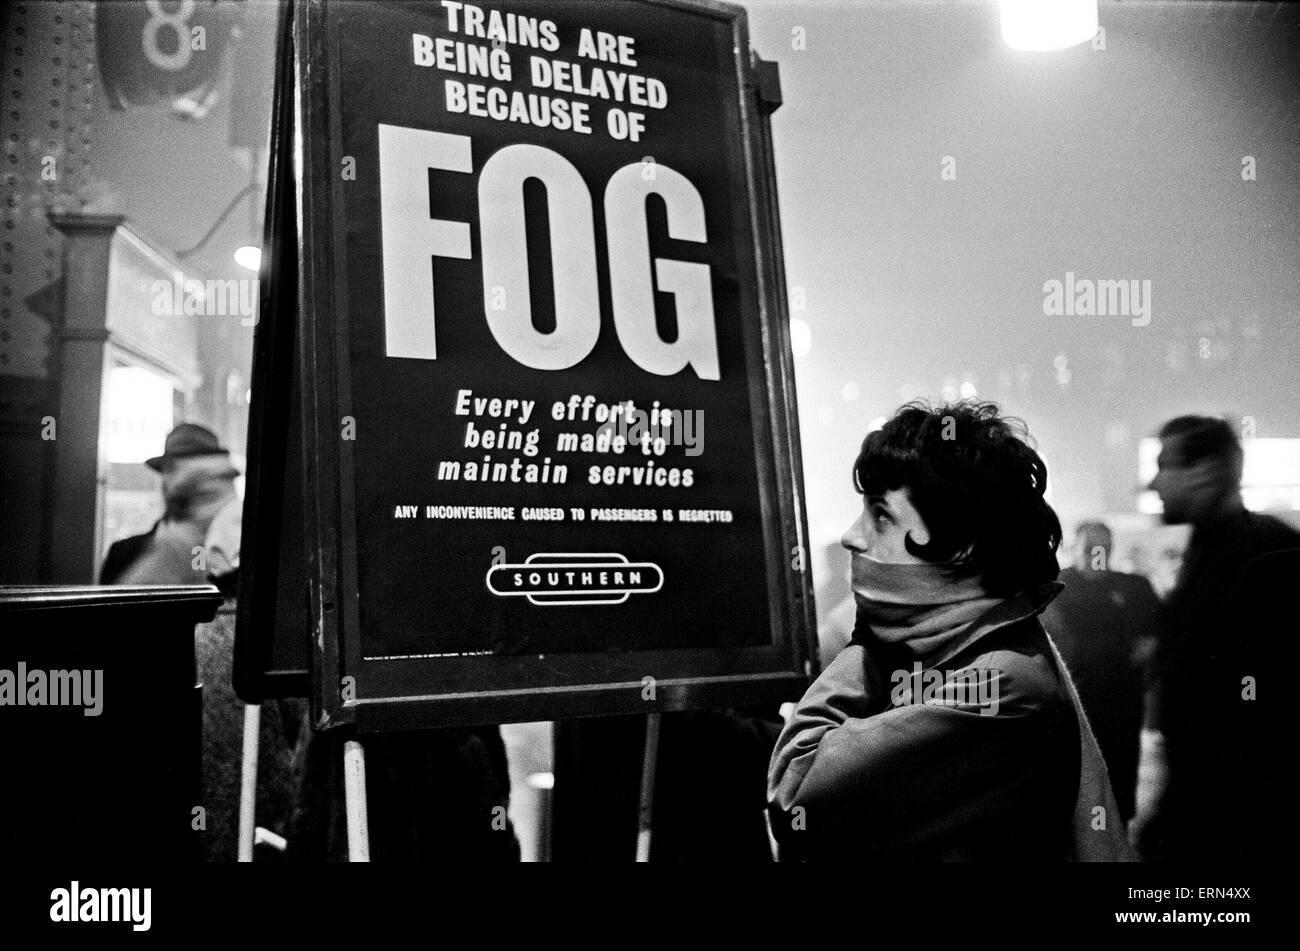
{"type": "Point", "coordinates": [178, 23]}
{"type": "Point", "coordinates": [153, 50]}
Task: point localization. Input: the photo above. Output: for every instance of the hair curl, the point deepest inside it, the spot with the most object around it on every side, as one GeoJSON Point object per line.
{"type": "Point", "coordinates": [978, 485]}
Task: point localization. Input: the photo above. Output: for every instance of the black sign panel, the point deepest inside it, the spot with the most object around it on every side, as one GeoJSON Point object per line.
{"type": "Point", "coordinates": [549, 462]}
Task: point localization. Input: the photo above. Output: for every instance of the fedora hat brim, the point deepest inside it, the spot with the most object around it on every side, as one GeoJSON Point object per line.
{"type": "Point", "coordinates": [156, 462]}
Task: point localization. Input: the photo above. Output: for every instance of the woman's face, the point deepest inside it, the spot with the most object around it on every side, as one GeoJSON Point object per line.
{"type": "Point", "coordinates": [884, 523]}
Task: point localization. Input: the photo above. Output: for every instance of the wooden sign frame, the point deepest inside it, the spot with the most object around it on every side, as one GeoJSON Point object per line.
{"type": "Point", "coordinates": [302, 390]}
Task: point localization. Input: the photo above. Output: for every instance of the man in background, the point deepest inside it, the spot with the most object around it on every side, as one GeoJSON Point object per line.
{"type": "Point", "coordinates": [1213, 647]}
{"type": "Point", "coordinates": [198, 481]}
{"type": "Point", "coordinates": [1104, 624]}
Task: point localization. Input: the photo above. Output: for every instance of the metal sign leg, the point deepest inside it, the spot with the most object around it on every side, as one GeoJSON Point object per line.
{"type": "Point", "coordinates": [248, 780]}
{"type": "Point", "coordinates": [648, 762]}
{"type": "Point", "coordinates": [354, 790]}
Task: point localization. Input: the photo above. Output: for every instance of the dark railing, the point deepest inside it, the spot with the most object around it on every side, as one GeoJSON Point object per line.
{"type": "Point", "coordinates": [100, 722]}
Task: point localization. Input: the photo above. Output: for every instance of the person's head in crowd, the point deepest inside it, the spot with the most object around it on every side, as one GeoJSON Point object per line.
{"type": "Point", "coordinates": [1198, 475]}
{"type": "Point", "coordinates": [197, 476]}
{"type": "Point", "coordinates": [1093, 544]}
{"type": "Point", "coordinates": [956, 490]}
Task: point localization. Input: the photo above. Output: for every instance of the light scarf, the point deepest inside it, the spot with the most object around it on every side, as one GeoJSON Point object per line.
{"type": "Point", "coordinates": [918, 607]}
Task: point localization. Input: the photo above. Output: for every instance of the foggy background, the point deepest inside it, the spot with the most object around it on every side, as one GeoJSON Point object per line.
{"type": "Point", "coordinates": [1117, 163]}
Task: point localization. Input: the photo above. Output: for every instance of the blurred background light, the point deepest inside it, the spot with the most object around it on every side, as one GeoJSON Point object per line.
{"type": "Point", "coordinates": [1041, 25]}
{"type": "Point", "coordinates": [138, 416]}
{"type": "Point", "coordinates": [249, 257]}
{"type": "Point", "coordinates": [544, 780]}
{"type": "Point", "coordinates": [800, 337]}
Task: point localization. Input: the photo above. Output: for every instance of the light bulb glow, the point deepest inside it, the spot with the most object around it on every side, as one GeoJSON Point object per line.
{"type": "Point", "coordinates": [1041, 25]}
{"type": "Point", "coordinates": [249, 257]}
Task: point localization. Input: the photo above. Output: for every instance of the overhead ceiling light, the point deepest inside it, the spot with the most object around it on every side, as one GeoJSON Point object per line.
{"type": "Point", "coordinates": [249, 257]}
{"type": "Point", "coordinates": [1047, 24]}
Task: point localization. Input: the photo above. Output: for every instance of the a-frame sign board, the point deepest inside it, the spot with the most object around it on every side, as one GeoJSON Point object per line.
{"type": "Point", "coordinates": [523, 441]}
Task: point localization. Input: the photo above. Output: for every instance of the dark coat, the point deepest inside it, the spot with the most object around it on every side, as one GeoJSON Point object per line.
{"type": "Point", "coordinates": [121, 555]}
{"type": "Point", "coordinates": [933, 780]}
{"type": "Point", "coordinates": [1099, 623]}
{"type": "Point", "coordinates": [1231, 606]}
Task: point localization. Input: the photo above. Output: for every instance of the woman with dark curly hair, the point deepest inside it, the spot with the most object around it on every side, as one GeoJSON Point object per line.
{"type": "Point", "coordinates": [948, 729]}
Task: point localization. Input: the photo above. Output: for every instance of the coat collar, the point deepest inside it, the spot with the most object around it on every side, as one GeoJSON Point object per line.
{"type": "Point", "coordinates": [1003, 614]}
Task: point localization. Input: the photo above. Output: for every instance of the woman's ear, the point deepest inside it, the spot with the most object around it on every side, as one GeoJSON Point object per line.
{"type": "Point", "coordinates": [909, 519]}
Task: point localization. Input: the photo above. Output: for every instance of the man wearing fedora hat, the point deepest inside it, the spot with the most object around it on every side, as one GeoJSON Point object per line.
{"type": "Point", "coordinates": [198, 480]}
